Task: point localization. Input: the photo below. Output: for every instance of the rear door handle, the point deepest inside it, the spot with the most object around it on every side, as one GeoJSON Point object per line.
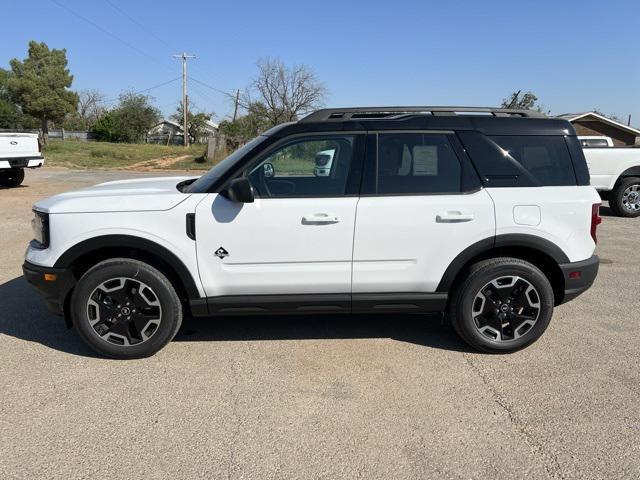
{"type": "Point", "coordinates": [320, 219]}
{"type": "Point", "coordinates": [454, 216]}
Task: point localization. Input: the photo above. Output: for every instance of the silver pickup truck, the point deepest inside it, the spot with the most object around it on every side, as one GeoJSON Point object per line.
{"type": "Point", "coordinates": [17, 152]}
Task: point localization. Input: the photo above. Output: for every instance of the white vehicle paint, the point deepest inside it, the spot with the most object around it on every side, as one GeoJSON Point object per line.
{"type": "Point", "coordinates": [17, 152]}
{"type": "Point", "coordinates": [396, 229]}
{"type": "Point", "coordinates": [608, 165]}
{"type": "Point", "coordinates": [615, 173]}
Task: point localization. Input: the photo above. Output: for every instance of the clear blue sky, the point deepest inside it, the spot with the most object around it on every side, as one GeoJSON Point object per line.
{"type": "Point", "coordinates": [575, 55]}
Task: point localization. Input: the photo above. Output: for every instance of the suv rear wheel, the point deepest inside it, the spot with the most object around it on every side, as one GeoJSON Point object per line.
{"type": "Point", "coordinates": [124, 308]}
{"type": "Point", "coordinates": [503, 305]}
{"type": "Point", "coordinates": [12, 178]}
{"type": "Point", "coordinates": [624, 199]}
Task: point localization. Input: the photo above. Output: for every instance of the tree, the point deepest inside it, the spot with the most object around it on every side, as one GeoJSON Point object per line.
{"type": "Point", "coordinates": [11, 115]}
{"type": "Point", "coordinates": [129, 121]}
{"type": "Point", "coordinates": [134, 116]}
{"type": "Point", "coordinates": [106, 128]}
{"type": "Point", "coordinates": [196, 122]}
{"type": "Point", "coordinates": [40, 85]}
{"type": "Point", "coordinates": [518, 101]}
{"type": "Point", "coordinates": [244, 128]}
{"type": "Point", "coordinates": [90, 109]}
{"type": "Point", "coordinates": [281, 94]}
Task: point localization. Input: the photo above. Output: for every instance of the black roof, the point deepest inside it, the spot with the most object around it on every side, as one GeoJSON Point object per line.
{"type": "Point", "coordinates": [490, 121]}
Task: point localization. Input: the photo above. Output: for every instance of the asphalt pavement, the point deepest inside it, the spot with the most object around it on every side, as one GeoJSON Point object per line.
{"type": "Point", "coordinates": [372, 397]}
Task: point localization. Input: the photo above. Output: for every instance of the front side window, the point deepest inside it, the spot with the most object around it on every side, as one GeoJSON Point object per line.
{"type": "Point", "coordinates": [420, 163]}
{"type": "Point", "coordinates": [312, 166]}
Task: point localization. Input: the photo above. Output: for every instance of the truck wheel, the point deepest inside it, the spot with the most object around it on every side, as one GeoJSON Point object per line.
{"type": "Point", "coordinates": [12, 178]}
{"type": "Point", "coordinates": [624, 199]}
{"type": "Point", "coordinates": [503, 305]}
{"type": "Point", "coordinates": [124, 308]}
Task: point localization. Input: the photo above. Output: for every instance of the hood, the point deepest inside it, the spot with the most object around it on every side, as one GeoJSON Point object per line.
{"type": "Point", "coordinates": [139, 195]}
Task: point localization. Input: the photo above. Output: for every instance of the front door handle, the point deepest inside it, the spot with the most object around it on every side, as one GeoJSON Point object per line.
{"type": "Point", "coordinates": [454, 216]}
{"type": "Point", "coordinates": [320, 219]}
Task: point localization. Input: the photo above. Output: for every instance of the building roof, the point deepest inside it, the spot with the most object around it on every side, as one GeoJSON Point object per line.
{"type": "Point", "coordinates": [572, 117]}
{"type": "Point", "coordinates": [211, 126]}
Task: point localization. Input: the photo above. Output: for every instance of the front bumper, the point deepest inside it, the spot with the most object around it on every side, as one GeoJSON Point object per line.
{"type": "Point", "coordinates": [54, 287]}
{"type": "Point", "coordinates": [578, 277]}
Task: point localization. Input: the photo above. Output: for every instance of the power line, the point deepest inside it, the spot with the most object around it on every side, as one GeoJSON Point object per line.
{"type": "Point", "coordinates": [211, 87]}
{"type": "Point", "coordinates": [147, 30]}
{"type": "Point", "coordinates": [146, 89]}
{"type": "Point", "coordinates": [112, 35]}
{"type": "Point", "coordinates": [134, 21]}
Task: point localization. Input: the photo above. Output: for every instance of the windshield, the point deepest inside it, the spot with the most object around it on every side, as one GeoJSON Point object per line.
{"type": "Point", "coordinates": [202, 184]}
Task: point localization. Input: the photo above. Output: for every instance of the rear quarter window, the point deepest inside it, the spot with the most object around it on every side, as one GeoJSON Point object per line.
{"type": "Point", "coordinates": [521, 160]}
{"type": "Point", "coordinates": [546, 158]}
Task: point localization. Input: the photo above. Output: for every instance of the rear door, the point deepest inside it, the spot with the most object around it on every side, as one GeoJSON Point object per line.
{"type": "Point", "coordinates": [421, 206]}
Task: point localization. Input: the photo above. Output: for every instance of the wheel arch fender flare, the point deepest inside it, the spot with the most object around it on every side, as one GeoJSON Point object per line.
{"type": "Point", "coordinates": [487, 245]}
{"type": "Point", "coordinates": [70, 256]}
{"type": "Point", "coordinates": [630, 172]}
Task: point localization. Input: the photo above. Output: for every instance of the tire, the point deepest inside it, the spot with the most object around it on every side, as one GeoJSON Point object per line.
{"type": "Point", "coordinates": [12, 178]}
{"type": "Point", "coordinates": [124, 308]}
{"type": "Point", "coordinates": [476, 317]}
{"type": "Point", "coordinates": [624, 199]}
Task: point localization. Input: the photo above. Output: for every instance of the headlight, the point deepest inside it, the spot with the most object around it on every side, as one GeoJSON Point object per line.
{"type": "Point", "coordinates": [40, 226]}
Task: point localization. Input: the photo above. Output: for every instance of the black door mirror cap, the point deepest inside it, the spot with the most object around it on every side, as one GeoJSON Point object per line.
{"type": "Point", "coordinates": [239, 190]}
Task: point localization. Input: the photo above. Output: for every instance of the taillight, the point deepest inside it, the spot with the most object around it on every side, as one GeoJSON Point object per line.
{"type": "Point", "coordinates": [39, 145]}
{"type": "Point", "coordinates": [595, 220]}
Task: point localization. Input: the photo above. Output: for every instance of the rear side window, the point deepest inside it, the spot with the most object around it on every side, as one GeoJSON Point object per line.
{"type": "Point", "coordinates": [545, 158]}
{"type": "Point", "coordinates": [520, 160]}
{"type": "Point", "coordinates": [416, 163]}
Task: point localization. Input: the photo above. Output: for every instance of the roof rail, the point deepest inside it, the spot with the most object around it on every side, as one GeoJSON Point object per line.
{"type": "Point", "coordinates": [342, 114]}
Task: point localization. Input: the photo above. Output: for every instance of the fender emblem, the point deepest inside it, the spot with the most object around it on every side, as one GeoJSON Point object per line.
{"type": "Point", "coordinates": [221, 253]}
{"type": "Point", "coordinates": [13, 142]}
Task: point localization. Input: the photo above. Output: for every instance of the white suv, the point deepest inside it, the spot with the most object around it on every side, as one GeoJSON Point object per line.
{"type": "Point", "coordinates": [484, 213]}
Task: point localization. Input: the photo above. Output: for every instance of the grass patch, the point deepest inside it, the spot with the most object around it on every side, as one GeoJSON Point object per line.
{"type": "Point", "coordinates": [104, 155]}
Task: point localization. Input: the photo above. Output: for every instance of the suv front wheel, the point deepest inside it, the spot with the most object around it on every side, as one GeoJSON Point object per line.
{"type": "Point", "coordinates": [124, 308]}
{"type": "Point", "coordinates": [503, 305]}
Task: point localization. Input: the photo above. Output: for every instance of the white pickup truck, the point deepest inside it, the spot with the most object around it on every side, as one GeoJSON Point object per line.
{"type": "Point", "coordinates": [615, 172]}
{"type": "Point", "coordinates": [17, 152]}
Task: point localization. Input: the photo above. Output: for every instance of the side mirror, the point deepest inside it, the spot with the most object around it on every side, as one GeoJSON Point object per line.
{"type": "Point", "coordinates": [239, 190]}
{"type": "Point", "coordinates": [268, 171]}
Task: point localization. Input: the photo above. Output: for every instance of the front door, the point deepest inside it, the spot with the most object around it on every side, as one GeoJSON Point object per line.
{"type": "Point", "coordinates": [296, 238]}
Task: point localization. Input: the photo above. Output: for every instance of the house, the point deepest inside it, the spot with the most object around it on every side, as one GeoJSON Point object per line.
{"type": "Point", "coordinates": [165, 132]}
{"type": "Point", "coordinates": [170, 132]}
{"type": "Point", "coordinates": [592, 123]}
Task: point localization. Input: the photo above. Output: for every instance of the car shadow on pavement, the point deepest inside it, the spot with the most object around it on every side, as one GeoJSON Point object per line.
{"type": "Point", "coordinates": [605, 211]}
{"type": "Point", "coordinates": [24, 315]}
{"type": "Point", "coordinates": [427, 330]}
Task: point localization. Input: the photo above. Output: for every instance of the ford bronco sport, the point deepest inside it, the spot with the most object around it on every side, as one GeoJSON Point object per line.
{"type": "Point", "coordinates": [484, 213]}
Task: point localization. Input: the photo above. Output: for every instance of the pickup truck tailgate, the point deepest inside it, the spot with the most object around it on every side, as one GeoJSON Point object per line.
{"type": "Point", "coordinates": [19, 145]}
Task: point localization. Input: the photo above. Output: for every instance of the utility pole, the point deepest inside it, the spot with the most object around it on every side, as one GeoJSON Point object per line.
{"type": "Point", "coordinates": [235, 108]}
{"type": "Point", "coordinates": [185, 108]}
